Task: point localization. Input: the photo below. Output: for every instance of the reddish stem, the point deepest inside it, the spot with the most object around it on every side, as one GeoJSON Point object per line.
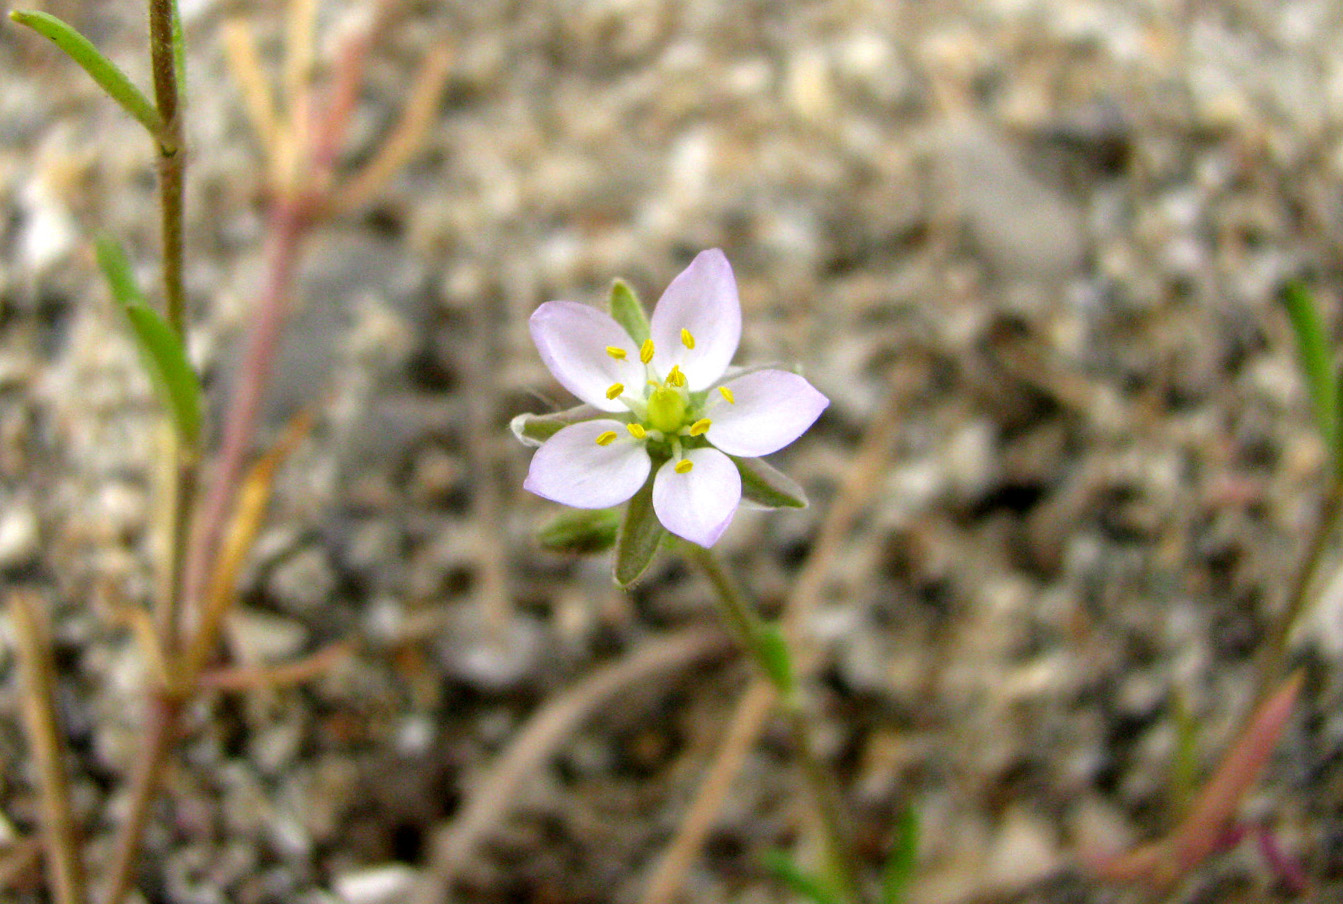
{"type": "Point", "coordinates": [288, 227]}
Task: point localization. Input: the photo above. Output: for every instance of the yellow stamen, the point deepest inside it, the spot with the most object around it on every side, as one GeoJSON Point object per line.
{"type": "Point", "coordinates": [618, 353]}
{"type": "Point", "coordinates": [605, 439]}
{"type": "Point", "coordinates": [646, 351]}
{"type": "Point", "coordinates": [614, 390]}
{"type": "Point", "coordinates": [676, 378]}
{"type": "Point", "coordinates": [636, 430]}
{"type": "Point", "coordinates": [727, 394]}
{"type": "Point", "coordinates": [683, 466]}
{"type": "Point", "coordinates": [700, 427]}
{"type": "Point", "coordinates": [686, 339]}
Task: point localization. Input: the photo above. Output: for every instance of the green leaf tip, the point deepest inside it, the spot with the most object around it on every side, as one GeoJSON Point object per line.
{"type": "Point", "coordinates": [787, 873]}
{"type": "Point", "coordinates": [767, 487]}
{"type": "Point", "coordinates": [581, 532]}
{"type": "Point", "coordinates": [161, 349]}
{"type": "Point", "coordinates": [1316, 354]}
{"type": "Point", "coordinates": [640, 536]}
{"type": "Point", "coordinates": [774, 655]}
{"type": "Point", "coordinates": [534, 429]}
{"type": "Point", "coordinates": [898, 875]}
{"type": "Point", "coordinates": [628, 311]}
{"type": "Point", "coordinates": [102, 70]}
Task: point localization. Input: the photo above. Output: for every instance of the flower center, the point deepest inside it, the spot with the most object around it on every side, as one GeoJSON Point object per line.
{"type": "Point", "coordinates": [666, 409]}
{"type": "Point", "coordinates": [666, 414]}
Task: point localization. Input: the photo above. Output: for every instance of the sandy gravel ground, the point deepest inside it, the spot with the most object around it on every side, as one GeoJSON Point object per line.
{"type": "Point", "coordinates": [1048, 236]}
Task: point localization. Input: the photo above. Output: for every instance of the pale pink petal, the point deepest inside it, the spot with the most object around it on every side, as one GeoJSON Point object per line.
{"type": "Point", "coordinates": [770, 409]}
{"type": "Point", "coordinates": [572, 340]}
{"type": "Point", "coordinates": [572, 469]}
{"type": "Point", "coordinates": [698, 505]}
{"type": "Point", "coordinates": [703, 301]}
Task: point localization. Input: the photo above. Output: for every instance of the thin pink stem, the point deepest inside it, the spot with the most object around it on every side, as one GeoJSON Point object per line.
{"type": "Point", "coordinates": [289, 226]}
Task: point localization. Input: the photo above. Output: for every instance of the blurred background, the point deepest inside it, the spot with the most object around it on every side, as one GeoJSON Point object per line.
{"type": "Point", "coordinates": [1048, 236]}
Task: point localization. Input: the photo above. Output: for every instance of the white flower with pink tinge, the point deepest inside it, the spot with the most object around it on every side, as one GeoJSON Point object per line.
{"type": "Point", "coordinates": [670, 399]}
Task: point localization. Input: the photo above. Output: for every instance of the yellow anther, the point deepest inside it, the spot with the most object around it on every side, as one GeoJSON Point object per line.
{"type": "Point", "coordinates": [727, 394]}
{"type": "Point", "coordinates": [646, 351]}
{"type": "Point", "coordinates": [700, 427]}
{"type": "Point", "coordinates": [676, 378]}
{"type": "Point", "coordinates": [605, 439]}
{"type": "Point", "coordinates": [618, 353]}
{"type": "Point", "coordinates": [636, 430]}
{"type": "Point", "coordinates": [686, 339]}
{"type": "Point", "coordinates": [683, 466]}
{"type": "Point", "coordinates": [614, 390]}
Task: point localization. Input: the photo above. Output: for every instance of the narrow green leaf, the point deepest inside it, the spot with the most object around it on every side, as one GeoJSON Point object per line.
{"type": "Point", "coordinates": [117, 270]}
{"type": "Point", "coordinates": [581, 531]}
{"type": "Point", "coordinates": [1184, 765]}
{"type": "Point", "coordinates": [103, 71]}
{"type": "Point", "coordinates": [627, 311]}
{"type": "Point", "coordinates": [535, 429]}
{"type": "Point", "coordinates": [161, 349]}
{"type": "Point", "coordinates": [792, 876]}
{"type": "Point", "coordinates": [765, 486]}
{"type": "Point", "coordinates": [1316, 356]}
{"type": "Point", "coordinates": [640, 536]}
{"type": "Point", "coordinates": [903, 860]}
{"type": "Point", "coordinates": [776, 658]}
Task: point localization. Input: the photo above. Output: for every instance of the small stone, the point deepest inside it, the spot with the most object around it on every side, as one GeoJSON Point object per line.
{"type": "Point", "coordinates": [1023, 850]}
{"type": "Point", "coordinates": [474, 653]}
{"type": "Point", "coordinates": [48, 232]}
{"type": "Point", "coordinates": [18, 536]}
{"type": "Point", "coordinates": [304, 581]}
{"type": "Point", "coordinates": [1025, 229]}
{"type": "Point", "coordinates": [260, 637]}
{"type": "Point", "coordinates": [386, 884]}
{"type": "Point", "coordinates": [810, 87]}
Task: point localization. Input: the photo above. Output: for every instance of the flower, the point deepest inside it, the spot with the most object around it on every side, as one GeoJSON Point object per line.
{"type": "Point", "coordinates": [666, 406]}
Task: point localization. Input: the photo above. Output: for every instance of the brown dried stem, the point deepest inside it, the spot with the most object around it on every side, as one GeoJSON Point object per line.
{"type": "Point", "coordinates": [404, 140]}
{"type": "Point", "coordinates": [59, 833]}
{"type": "Point", "coordinates": [241, 56]}
{"type": "Point", "coordinates": [165, 715]}
{"type": "Point", "coordinates": [269, 678]}
{"type": "Point", "coordinates": [454, 842]}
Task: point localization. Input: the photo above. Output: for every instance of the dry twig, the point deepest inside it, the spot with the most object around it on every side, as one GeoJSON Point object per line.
{"type": "Point", "coordinates": [455, 841]}
{"type": "Point", "coordinates": [59, 834]}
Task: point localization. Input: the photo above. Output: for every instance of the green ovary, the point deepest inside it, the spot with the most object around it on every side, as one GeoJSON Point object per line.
{"type": "Point", "coordinates": [666, 410]}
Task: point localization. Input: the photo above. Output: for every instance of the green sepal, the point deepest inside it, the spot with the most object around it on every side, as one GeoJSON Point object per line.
{"type": "Point", "coordinates": [581, 531]}
{"type": "Point", "coordinates": [1316, 357]}
{"type": "Point", "coordinates": [161, 349]}
{"type": "Point", "coordinates": [766, 486]}
{"type": "Point", "coordinates": [628, 311]}
{"type": "Point", "coordinates": [898, 875]}
{"type": "Point", "coordinates": [640, 536]}
{"type": "Point", "coordinates": [775, 658]}
{"type": "Point", "coordinates": [535, 429]}
{"type": "Point", "coordinates": [103, 71]}
{"type": "Point", "coordinates": [797, 880]}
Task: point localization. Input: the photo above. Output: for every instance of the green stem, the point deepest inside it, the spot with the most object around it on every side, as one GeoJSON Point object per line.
{"type": "Point", "coordinates": [748, 628]}
{"type": "Point", "coordinates": [165, 713]}
{"type": "Point", "coordinates": [1274, 650]}
{"type": "Point", "coordinates": [172, 180]}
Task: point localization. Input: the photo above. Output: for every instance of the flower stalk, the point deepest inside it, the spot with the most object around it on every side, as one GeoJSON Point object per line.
{"type": "Point", "coordinates": [1274, 651]}
{"type": "Point", "coordinates": [754, 636]}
